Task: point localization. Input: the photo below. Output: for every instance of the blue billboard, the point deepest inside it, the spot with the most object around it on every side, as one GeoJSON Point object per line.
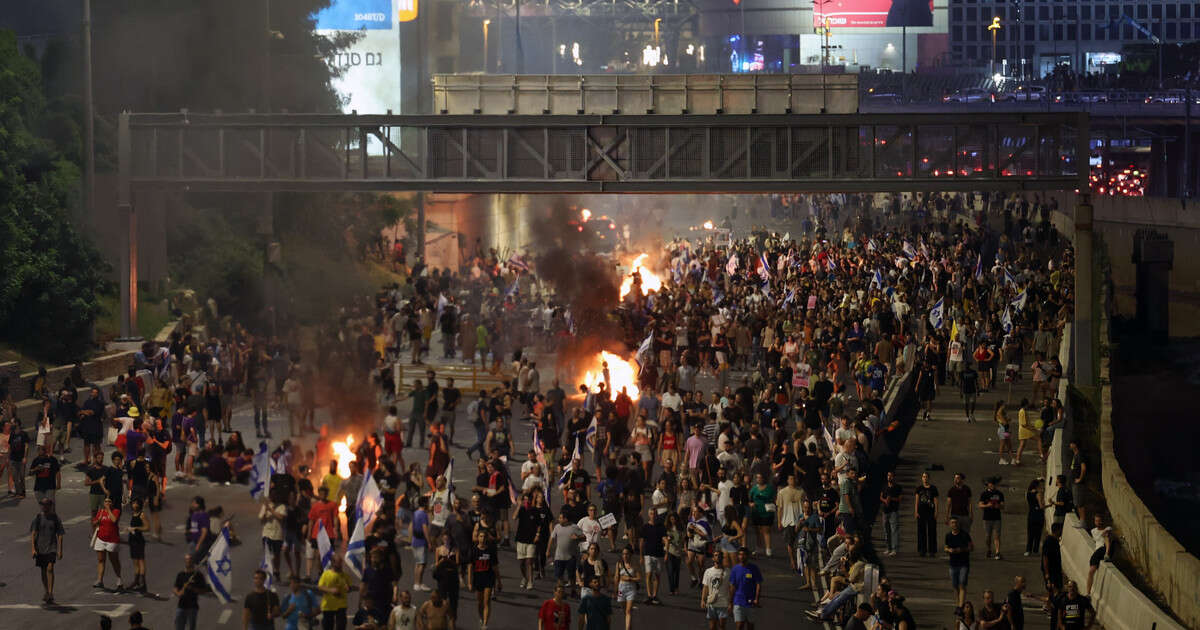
{"type": "Point", "coordinates": [354, 15]}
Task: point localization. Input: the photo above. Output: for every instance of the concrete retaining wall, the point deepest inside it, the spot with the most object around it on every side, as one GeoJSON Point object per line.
{"type": "Point", "coordinates": [1171, 571]}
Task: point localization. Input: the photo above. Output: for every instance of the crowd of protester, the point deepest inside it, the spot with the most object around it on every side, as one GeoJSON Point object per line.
{"type": "Point", "coordinates": [764, 362]}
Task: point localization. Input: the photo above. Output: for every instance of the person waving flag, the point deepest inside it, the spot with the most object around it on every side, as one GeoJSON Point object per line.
{"type": "Point", "coordinates": [937, 314]}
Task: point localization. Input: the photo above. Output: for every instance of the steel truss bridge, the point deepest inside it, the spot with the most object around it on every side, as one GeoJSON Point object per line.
{"type": "Point", "coordinates": [624, 153]}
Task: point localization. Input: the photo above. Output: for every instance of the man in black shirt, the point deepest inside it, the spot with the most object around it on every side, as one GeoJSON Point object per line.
{"type": "Point", "coordinates": [141, 477]}
{"type": "Point", "coordinates": [1013, 608]}
{"type": "Point", "coordinates": [91, 427]}
{"type": "Point", "coordinates": [1052, 569]}
{"type": "Point", "coordinates": [1075, 611]}
{"type": "Point", "coordinates": [889, 502]}
{"type": "Point", "coordinates": [968, 386]}
{"type": "Point", "coordinates": [261, 606]}
{"type": "Point", "coordinates": [114, 485]}
{"type": "Point", "coordinates": [958, 547]}
{"type": "Point", "coordinates": [450, 397]}
{"type": "Point", "coordinates": [188, 586]}
{"type": "Point", "coordinates": [653, 543]}
{"type": "Point", "coordinates": [925, 501]}
{"type": "Point", "coordinates": [47, 475]}
{"type": "Point", "coordinates": [991, 503]}
{"type": "Point", "coordinates": [18, 444]}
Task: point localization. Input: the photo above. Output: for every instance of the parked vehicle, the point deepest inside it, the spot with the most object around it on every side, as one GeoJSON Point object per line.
{"type": "Point", "coordinates": [970, 95]}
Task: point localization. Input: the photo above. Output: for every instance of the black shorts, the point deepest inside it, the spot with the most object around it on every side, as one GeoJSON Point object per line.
{"type": "Point", "coordinates": [480, 581]}
{"type": "Point", "coordinates": [274, 545]}
{"type": "Point", "coordinates": [46, 559]}
{"type": "Point", "coordinates": [1097, 556]}
{"type": "Point", "coordinates": [155, 503]}
{"type": "Point", "coordinates": [90, 439]}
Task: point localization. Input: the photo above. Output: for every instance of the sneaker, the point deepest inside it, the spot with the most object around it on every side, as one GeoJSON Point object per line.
{"type": "Point", "coordinates": [1003, 462]}
{"type": "Point", "coordinates": [768, 552]}
{"type": "Point", "coordinates": [1026, 554]}
{"type": "Point", "coordinates": [997, 557]}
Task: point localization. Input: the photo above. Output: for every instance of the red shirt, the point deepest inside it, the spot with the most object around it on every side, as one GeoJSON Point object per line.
{"type": "Point", "coordinates": [555, 616]}
{"type": "Point", "coordinates": [106, 527]}
{"type": "Point", "coordinates": [324, 512]}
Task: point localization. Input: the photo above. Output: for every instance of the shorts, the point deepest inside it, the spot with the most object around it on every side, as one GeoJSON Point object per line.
{"type": "Point", "coordinates": [44, 560]}
{"type": "Point", "coordinates": [762, 520]}
{"type": "Point", "coordinates": [419, 554]}
{"type": "Point", "coordinates": [274, 546]}
{"type": "Point", "coordinates": [525, 551]}
{"type": "Point", "coordinates": [155, 502]}
{"type": "Point", "coordinates": [626, 591]}
{"type": "Point", "coordinates": [991, 529]}
{"type": "Point", "coordinates": [480, 581]}
{"type": "Point", "coordinates": [727, 546]}
{"type": "Point", "coordinates": [714, 613]}
{"type": "Point", "coordinates": [90, 439]}
{"type": "Point", "coordinates": [564, 570]}
{"type": "Point", "coordinates": [1097, 557]}
{"type": "Point", "coordinates": [742, 614]}
{"type": "Point", "coordinates": [100, 545]}
{"type": "Point", "coordinates": [958, 576]}
{"type": "Point", "coordinates": [653, 564]}
{"type": "Point", "coordinates": [956, 367]}
{"type": "Point", "coordinates": [789, 535]}
{"type": "Point", "coordinates": [137, 549]}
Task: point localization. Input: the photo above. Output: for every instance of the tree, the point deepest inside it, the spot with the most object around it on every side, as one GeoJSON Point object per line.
{"type": "Point", "coordinates": [50, 275]}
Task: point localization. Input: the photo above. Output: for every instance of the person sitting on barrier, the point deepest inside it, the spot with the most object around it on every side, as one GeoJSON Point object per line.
{"type": "Point", "coordinates": [850, 586]}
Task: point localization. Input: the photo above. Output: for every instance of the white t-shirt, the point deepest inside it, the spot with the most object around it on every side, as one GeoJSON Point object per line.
{"type": "Point", "coordinates": [846, 463]}
{"type": "Point", "coordinates": [672, 401]}
{"type": "Point", "coordinates": [717, 581]}
{"type": "Point", "coordinates": [723, 499]}
{"type": "Point", "coordinates": [391, 423]}
{"type": "Point", "coordinates": [660, 499]}
{"type": "Point", "coordinates": [402, 618]}
{"type": "Point", "coordinates": [1098, 537]}
{"type": "Point", "coordinates": [591, 532]}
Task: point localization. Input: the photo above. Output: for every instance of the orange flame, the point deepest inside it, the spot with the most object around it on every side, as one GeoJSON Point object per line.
{"type": "Point", "coordinates": [621, 374]}
{"type": "Point", "coordinates": [650, 281]}
{"type": "Point", "coordinates": [344, 455]}
{"type": "Point", "coordinates": [708, 225]}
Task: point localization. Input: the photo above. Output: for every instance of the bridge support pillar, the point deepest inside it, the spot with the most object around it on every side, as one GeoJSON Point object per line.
{"type": "Point", "coordinates": [1085, 294]}
{"type": "Point", "coordinates": [129, 233]}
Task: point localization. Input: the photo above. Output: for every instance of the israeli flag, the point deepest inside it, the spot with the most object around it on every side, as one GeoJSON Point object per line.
{"type": "Point", "coordinates": [718, 295]}
{"type": "Point", "coordinates": [872, 245]}
{"type": "Point", "coordinates": [732, 265]}
{"type": "Point", "coordinates": [790, 296]}
{"type": "Point", "coordinates": [829, 264]}
{"type": "Point", "coordinates": [260, 474]}
{"type": "Point", "coordinates": [1006, 321]}
{"type": "Point", "coordinates": [937, 314]}
{"type": "Point", "coordinates": [562, 481]}
{"type": "Point", "coordinates": [1008, 277]}
{"type": "Point", "coordinates": [218, 569]}
{"type": "Point", "coordinates": [764, 269]}
{"type": "Point", "coordinates": [324, 545]}
{"type": "Point", "coordinates": [591, 430]}
{"type": "Point", "coordinates": [829, 441]}
{"type": "Point", "coordinates": [512, 290]}
{"type": "Point", "coordinates": [369, 499]}
{"type": "Point", "coordinates": [265, 567]}
{"type": "Point", "coordinates": [1019, 302]}
{"type": "Point", "coordinates": [908, 250]}
{"type": "Point", "coordinates": [979, 268]}
{"type": "Point", "coordinates": [644, 349]}
{"type": "Point", "coordinates": [356, 551]}
{"type": "Point", "coordinates": [877, 279]}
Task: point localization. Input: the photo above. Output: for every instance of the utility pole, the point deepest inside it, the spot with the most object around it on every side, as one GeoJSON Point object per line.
{"type": "Point", "coordinates": [520, 49]}
{"type": "Point", "coordinates": [266, 223]}
{"type": "Point", "coordinates": [89, 118]}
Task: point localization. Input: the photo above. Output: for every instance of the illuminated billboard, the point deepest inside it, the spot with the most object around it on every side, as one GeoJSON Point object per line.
{"type": "Point", "coordinates": [370, 67]}
{"type": "Point", "coordinates": [872, 13]}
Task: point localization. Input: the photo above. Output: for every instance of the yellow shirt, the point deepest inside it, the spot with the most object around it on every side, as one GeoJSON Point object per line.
{"type": "Point", "coordinates": [333, 483]}
{"type": "Point", "coordinates": [333, 579]}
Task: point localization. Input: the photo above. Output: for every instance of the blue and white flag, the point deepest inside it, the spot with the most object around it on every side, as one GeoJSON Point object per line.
{"type": "Point", "coordinates": [908, 250]}
{"type": "Point", "coordinates": [829, 264]}
{"type": "Point", "coordinates": [265, 567]}
{"type": "Point", "coordinates": [732, 264]}
{"type": "Point", "coordinates": [324, 545]}
{"type": "Point", "coordinates": [218, 568]}
{"type": "Point", "coordinates": [877, 279]}
{"type": "Point", "coordinates": [979, 268]}
{"type": "Point", "coordinates": [718, 295]}
{"type": "Point", "coordinates": [1008, 277]}
{"type": "Point", "coordinates": [591, 430]}
{"type": "Point", "coordinates": [518, 262]}
{"type": "Point", "coordinates": [790, 296]}
{"type": "Point", "coordinates": [356, 550]}
{"type": "Point", "coordinates": [562, 480]}
{"type": "Point", "coordinates": [764, 269]}
{"type": "Point", "coordinates": [260, 473]}
{"type": "Point", "coordinates": [937, 314]}
{"type": "Point", "coordinates": [643, 351]}
{"type": "Point", "coordinates": [1006, 321]}
{"type": "Point", "coordinates": [872, 245]}
{"type": "Point", "coordinates": [369, 500]}
{"type": "Point", "coordinates": [1019, 302]}
{"type": "Point", "coordinates": [512, 290]}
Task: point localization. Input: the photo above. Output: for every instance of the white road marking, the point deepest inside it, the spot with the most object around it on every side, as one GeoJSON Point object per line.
{"type": "Point", "coordinates": [224, 617]}
{"type": "Point", "coordinates": [119, 611]}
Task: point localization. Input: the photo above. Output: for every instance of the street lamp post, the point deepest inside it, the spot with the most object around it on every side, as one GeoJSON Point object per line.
{"type": "Point", "coordinates": [994, 27]}
{"type": "Point", "coordinates": [486, 57]}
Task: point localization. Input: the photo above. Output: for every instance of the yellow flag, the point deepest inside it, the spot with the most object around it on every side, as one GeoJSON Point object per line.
{"type": "Point", "coordinates": [954, 330]}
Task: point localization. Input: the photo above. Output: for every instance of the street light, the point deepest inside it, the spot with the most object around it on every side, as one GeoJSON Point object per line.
{"type": "Point", "coordinates": [486, 23]}
{"type": "Point", "coordinates": [994, 27]}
